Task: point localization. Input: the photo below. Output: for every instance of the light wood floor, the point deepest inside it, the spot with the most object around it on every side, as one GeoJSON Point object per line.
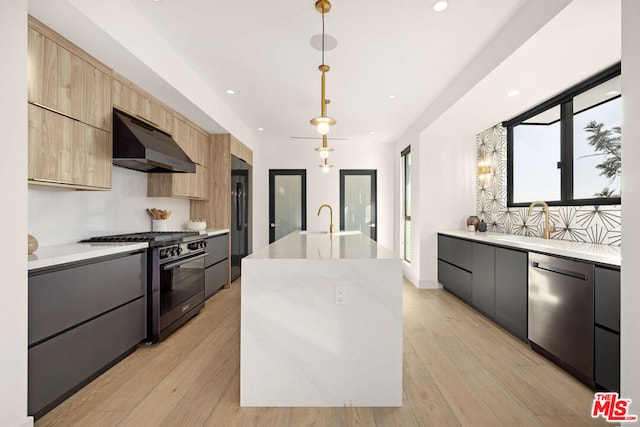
{"type": "Point", "coordinates": [459, 369]}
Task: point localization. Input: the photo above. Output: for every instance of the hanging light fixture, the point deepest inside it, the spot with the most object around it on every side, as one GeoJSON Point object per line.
{"type": "Point", "coordinates": [324, 150]}
{"type": "Point", "coordinates": [323, 123]}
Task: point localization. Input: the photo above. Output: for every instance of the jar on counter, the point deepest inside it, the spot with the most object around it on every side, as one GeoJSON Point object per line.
{"type": "Point", "coordinates": [472, 223]}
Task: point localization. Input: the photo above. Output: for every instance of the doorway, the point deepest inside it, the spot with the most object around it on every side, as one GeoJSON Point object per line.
{"type": "Point", "coordinates": [287, 202]}
{"type": "Point", "coordinates": [358, 211]}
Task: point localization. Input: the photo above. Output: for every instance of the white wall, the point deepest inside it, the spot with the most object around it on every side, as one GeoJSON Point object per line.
{"type": "Point", "coordinates": [447, 181]}
{"type": "Point", "coordinates": [630, 291]}
{"type": "Point", "coordinates": [13, 214]}
{"type": "Point", "coordinates": [323, 188]}
{"type": "Point", "coordinates": [63, 216]}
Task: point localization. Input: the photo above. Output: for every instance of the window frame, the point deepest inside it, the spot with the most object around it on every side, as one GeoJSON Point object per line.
{"type": "Point", "coordinates": [403, 156]}
{"type": "Point", "coordinates": [565, 102]}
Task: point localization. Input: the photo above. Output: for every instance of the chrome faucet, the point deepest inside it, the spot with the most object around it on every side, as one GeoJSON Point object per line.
{"type": "Point", "coordinates": [330, 216]}
{"type": "Point", "coordinates": [547, 230]}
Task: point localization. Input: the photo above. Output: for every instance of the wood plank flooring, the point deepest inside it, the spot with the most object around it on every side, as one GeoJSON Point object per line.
{"type": "Point", "coordinates": [460, 369]}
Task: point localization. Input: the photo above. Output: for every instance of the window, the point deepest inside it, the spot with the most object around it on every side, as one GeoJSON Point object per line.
{"type": "Point", "coordinates": [406, 201]}
{"type": "Point", "coordinates": [566, 151]}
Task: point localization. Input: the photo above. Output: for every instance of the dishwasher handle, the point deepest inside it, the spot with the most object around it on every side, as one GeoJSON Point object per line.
{"type": "Point", "coordinates": [558, 270]}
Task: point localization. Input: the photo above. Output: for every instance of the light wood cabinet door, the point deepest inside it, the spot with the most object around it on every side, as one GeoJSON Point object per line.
{"type": "Point", "coordinates": [182, 136]}
{"type": "Point", "coordinates": [97, 158]}
{"type": "Point", "coordinates": [133, 102]}
{"type": "Point", "coordinates": [123, 97]}
{"type": "Point", "coordinates": [96, 106]}
{"type": "Point", "coordinates": [70, 84]}
{"type": "Point", "coordinates": [181, 185]}
{"type": "Point", "coordinates": [53, 143]}
{"type": "Point", "coordinates": [42, 70]}
{"type": "Point", "coordinates": [65, 152]}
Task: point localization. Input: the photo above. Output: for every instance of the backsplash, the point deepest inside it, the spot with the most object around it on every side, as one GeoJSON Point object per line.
{"type": "Point", "coordinates": [58, 216]}
{"type": "Point", "coordinates": [593, 224]}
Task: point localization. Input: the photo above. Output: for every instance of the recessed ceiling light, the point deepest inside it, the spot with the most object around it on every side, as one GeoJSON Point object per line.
{"type": "Point", "coordinates": [231, 91]}
{"type": "Point", "coordinates": [392, 97]}
{"type": "Point", "coordinates": [260, 129]}
{"type": "Point", "coordinates": [373, 132]}
{"type": "Point", "coordinates": [440, 5]}
{"type": "Point", "coordinates": [613, 93]}
{"type": "Point", "coordinates": [513, 92]}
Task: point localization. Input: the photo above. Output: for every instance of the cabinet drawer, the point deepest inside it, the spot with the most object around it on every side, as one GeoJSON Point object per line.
{"type": "Point", "coordinates": [61, 299]}
{"type": "Point", "coordinates": [217, 249]}
{"type": "Point", "coordinates": [607, 359]}
{"type": "Point", "coordinates": [455, 280]}
{"type": "Point", "coordinates": [455, 251]}
{"type": "Point", "coordinates": [607, 298]}
{"type": "Point", "coordinates": [215, 277]}
{"type": "Point", "coordinates": [61, 365]}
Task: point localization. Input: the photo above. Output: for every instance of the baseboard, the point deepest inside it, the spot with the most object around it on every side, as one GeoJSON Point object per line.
{"type": "Point", "coordinates": [429, 284]}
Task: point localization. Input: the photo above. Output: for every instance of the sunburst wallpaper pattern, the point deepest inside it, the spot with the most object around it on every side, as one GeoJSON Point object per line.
{"type": "Point", "coordinates": [593, 224]}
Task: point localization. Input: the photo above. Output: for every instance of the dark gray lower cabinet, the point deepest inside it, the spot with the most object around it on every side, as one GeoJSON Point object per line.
{"type": "Point", "coordinates": [216, 273]}
{"type": "Point", "coordinates": [83, 318]}
{"type": "Point", "coordinates": [483, 278]}
{"type": "Point", "coordinates": [455, 280]}
{"type": "Point", "coordinates": [492, 279]}
{"type": "Point", "coordinates": [607, 328]}
{"type": "Point", "coordinates": [511, 287]}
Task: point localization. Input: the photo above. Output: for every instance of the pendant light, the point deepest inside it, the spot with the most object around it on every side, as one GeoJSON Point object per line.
{"type": "Point", "coordinates": [323, 123]}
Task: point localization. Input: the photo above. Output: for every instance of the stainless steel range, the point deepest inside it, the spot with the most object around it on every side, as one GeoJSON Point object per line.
{"type": "Point", "coordinates": [175, 277]}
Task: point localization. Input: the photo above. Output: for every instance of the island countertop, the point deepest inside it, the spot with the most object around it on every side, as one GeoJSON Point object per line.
{"type": "Point", "coordinates": [321, 246]}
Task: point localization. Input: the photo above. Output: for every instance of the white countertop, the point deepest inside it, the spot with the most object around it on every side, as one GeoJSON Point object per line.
{"type": "Point", "coordinates": [49, 256]}
{"type": "Point", "coordinates": [604, 254]}
{"type": "Point", "coordinates": [322, 245]}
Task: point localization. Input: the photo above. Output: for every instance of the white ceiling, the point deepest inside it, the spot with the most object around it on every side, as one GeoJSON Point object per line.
{"type": "Point", "coordinates": [261, 50]}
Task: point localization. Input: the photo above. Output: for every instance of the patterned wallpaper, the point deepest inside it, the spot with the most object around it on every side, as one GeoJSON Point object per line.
{"type": "Point", "coordinates": [593, 224]}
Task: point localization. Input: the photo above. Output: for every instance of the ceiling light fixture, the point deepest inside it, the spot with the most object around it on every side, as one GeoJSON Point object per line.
{"type": "Point", "coordinates": [323, 123]}
{"type": "Point", "coordinates": [231, 91]}
{"type": "Point", "coordinates": [440, 5]}
{"type": "Point", "coordinates": [324, 150]}
{"type": "Point", "coordinates": [260, 129]}
{"type": "Point", "coordinates": [513, 92]}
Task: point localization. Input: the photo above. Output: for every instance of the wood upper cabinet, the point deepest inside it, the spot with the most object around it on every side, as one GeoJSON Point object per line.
{"type": "Point", "coordinates": [182, 185]}
{"type": "Point", "coordinates": [133, 101]}
{"type": "Point", "coordinates": [62, 81]}
{"type": "Point", "coordinates": [96, 103]}
{"type": "Point", "coordinates": [69, 96]}
{"type": "Point", "coordinates": [42, 70]}
{"type": "Point", "coordinates": [194, 142]}
{"type": "Point", "coordinates": [56, 76]}
{"type": "Point", "coordinates": [64, 151]}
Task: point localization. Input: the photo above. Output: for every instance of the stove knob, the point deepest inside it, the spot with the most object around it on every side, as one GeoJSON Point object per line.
{"type": "Point", "coordinates": [174, 251]}
{"type": "Point", "coordinates": [204, 243]}
{"type": "Point", "coordinates": [179, 250]}
{"type": "Point", "coordinates": [163, 253]}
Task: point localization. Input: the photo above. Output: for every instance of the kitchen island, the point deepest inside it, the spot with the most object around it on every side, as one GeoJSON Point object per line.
{"type": "Point", "coordinates": [321, 323]}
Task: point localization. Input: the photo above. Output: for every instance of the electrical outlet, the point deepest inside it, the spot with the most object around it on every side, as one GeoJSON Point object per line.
{"type": "Point", "coordinates": [340, 296]}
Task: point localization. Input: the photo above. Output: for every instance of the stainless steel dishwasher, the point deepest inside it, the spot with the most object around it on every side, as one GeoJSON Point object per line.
{"type": "Point", "coordinates": [561, 312]}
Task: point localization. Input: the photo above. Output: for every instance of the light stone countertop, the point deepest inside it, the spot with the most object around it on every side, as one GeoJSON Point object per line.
{"type": "Point", "coordinates": [49, 256]}
{"type": "Point", "coordinates": [322, 245]}
{"type": "Point", "coordinates": [603, 254]}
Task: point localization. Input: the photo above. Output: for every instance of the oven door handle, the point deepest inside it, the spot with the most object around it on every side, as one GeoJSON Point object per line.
{"type": "Point", "coordinates": [183, 261]}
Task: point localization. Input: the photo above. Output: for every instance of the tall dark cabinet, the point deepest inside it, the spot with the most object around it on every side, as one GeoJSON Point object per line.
{"type": "Point", "coordinates": [240, 213]}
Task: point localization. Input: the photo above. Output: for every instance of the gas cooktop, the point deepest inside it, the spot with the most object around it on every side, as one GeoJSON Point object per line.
{"type": "Point", "coordinates": [147, 236]}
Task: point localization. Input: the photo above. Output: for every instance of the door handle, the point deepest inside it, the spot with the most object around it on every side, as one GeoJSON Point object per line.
{"type": "Point", "coordinates": [273, 225]}
{"type": "Point", "coordinates": [372, 225]}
